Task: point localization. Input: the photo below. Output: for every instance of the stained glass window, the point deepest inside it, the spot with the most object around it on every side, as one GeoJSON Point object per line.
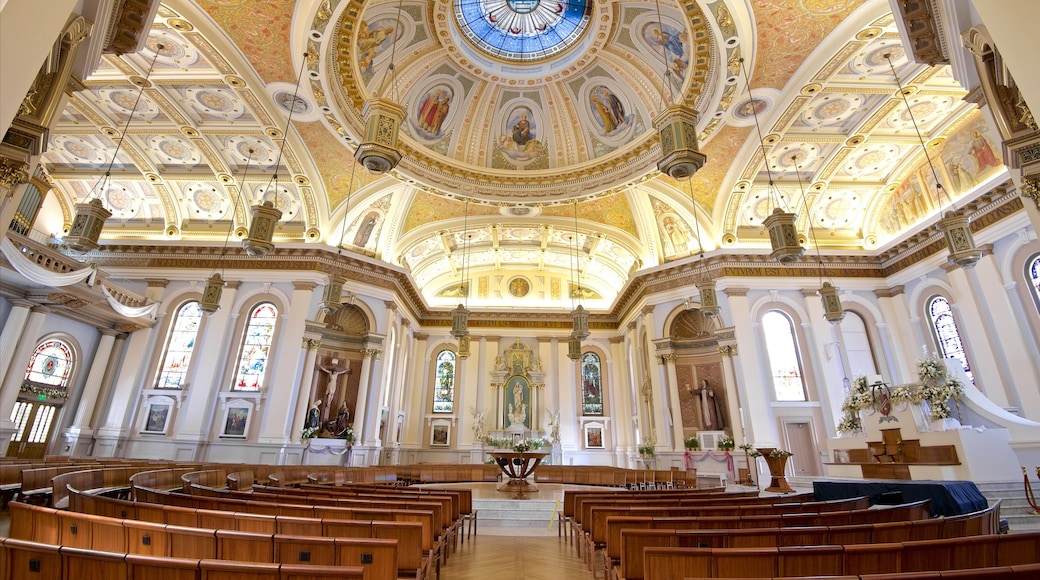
{"type": "Point", "coordinates": [1033, 269]}
{"type": "Point", "coordinates": [946, 332]}
{"type": "Point", "coordinates": [522, 30]}
{"type": "Point", "coordinates": [50, 364]}
{"type": "Point", "coordinates": [591, 385]}
{"type": "Point", "coordinates": [180, 344]}
{"type": "Point", "coordinates": [256, 347]}
{"type": "Point", "coordinates": [784, 362]}
{"type": "Point", "coordinates": [444, 391]}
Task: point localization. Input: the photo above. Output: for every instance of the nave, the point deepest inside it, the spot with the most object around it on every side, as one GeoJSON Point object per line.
{"type": "Point", "coordinates": [526, 553]}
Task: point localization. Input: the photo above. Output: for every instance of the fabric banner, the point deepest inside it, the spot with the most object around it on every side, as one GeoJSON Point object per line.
{"type": "Point", "coordinates": [42, 275]}
{"type": "Point", "coordinates": [129, 311]}
{"type": "Point", "coordinates": [692, 458]}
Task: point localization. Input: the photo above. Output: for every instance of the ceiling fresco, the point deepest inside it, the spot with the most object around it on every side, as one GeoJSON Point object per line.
{"type": "Point", "coordinates": [529, 175]}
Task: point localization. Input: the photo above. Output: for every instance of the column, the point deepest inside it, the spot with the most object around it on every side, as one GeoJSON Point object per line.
{"type": "Point", "coordinates": [620, 401]}
{"type": "Point", "coordinates": [735, 410]}
{"type": "Point", "coordinates": [1007, 336]}
{"type": "Point", "coordinates": [655, 389]}
{"type": "Point", "coordinates": [120, 399]}
{"type": "Point", "coordinates": [11, 336]}
{"type": "Point", "coordinates": [905, 337]}
{"type": "Point", "coordinates": [196, 413]}
{"type": "Point", "coordinates": [304, 386]}
{"type": "Point", "coordinates": [281, 399]}
{"type": "Point", "coordinates": [416, 396]}
{"type": "Point", "coordinates": [367, 399]}
{"type": "Point", "coordinates": [80, 429]}
{"type": "Point", "coordinates": [758, 389]}
{"type": "Point", "coordinates": [637, 419]}
{"type": "Point", "coordinates": [973, 329]}
{"type": "Point", "coordinates": [678, 441]}
{"type": "Point", "coordinates": [12, 383]}
{"type": "Point", "coordinates": [1021, 314]}
{"type": "Point", "coordinates": [403, 366]}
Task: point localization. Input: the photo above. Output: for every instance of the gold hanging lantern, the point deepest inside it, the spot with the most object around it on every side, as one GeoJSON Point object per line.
{"type": "Point", "coordinates": [460, 322]}
{"type": "Point", "coordinates": [332, 296]}
{"type": "Point", "coordinates": [709, 297]}
{"type": "Point", "coordinates": [783, 236]}
{"type": "Point", "coordinates": [580, 318]}
{"type": "Point", "coordinates": [677, 128]}
{"type": "Point", "coordinates": [211, 295]}
{"type": "Point", "coordinates": [832, 309]}
{"type": "Point", "coordinates": [573, 347]}
{"type": "Point", "coordinates": [378, 152]}
{"type": "Point", "coordinates": [464, 347]}
{"type": "Point", "coordinates": [959, 241]}
{"type": "Point", "coordinates": [261, 229]}
{"type": "Point", "coordinates": [87, 226]}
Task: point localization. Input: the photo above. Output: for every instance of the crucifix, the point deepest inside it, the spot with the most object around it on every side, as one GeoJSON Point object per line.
{"type": "Point", "coordinates": [332, 388]}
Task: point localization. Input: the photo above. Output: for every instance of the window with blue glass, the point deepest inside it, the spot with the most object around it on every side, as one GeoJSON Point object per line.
{"type": "Point", "coordinates": [784, 363]}
{"type": "Point", "coordinates": [946, 333]}
{"type": "Point", "coordinates": [180, 345]}
{"type": "Point", "coordinates": [444, 390]}
{"type": "Point", "coordinates": [256, 348]}
{"type": "Point", "coordinates": [1033, 273]}
{"type": "Point", "coordinates": [591, 384]}
{"type": "Point", "coordinates": [522, 30]}
{"type": "Point", "coordinates": [50, 365]}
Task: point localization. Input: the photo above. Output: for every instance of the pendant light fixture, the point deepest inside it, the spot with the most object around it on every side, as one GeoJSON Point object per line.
{"type": "Point", "coordinates": [676, 127]}
{"type": "Point", "coordinates": [832, 308]}
{"type": "Point", "coordinates": [783, 234]}
{"type": "Point", "coordinates": [954, 224]}
{"type": "Point", "coordinates": [705, 283]}
{"type": "Point", "coordinates": [383, 117]}
{"type": "Point", "coordinates": [460, 316]}
{"type": "Point", "coordinates": [210, 302]}
{"type": "Point", "coordinates": [91, 214]}
{"type": "Point", "coordinates": [332, 296]}
{"type": "Point", "coordinates": [264, 216]}
{"type": "Point", "coordinates": [579, 316]}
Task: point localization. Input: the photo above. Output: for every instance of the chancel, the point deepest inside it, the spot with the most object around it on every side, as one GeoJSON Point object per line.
{"type": "Point", "coordinates": [658, 247]}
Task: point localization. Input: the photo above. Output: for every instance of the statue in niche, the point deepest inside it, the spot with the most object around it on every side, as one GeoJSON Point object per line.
{"type": "Point", "coordinates": [710, 410]}
{"type": "Point", "coordinates": [518, 408]}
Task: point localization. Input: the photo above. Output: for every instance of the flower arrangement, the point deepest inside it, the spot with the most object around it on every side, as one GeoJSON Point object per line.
{"type": "Point", "coordinates": [646, 450]}
{"type": "Point", "coordinates": [522, 446]}
{"type": "Point", "coordinates": [496, 442]}
{"type": "Point", "coordinates": [780, 453]}
{"type": "Point", "coordinates": [49, 392]}
{"type": "Point", "coordinates": [692, 443]}
{"type": "Point", "coordinates": [725, 443]}
{"type": "Point", "coordinates": [348, 435]}
{"type": "Point", "coordinates": [309, 432]}
{"type": "Point", "coordinates": [750, 450]}
{"type": "Point", "coordinates": [936, 388]}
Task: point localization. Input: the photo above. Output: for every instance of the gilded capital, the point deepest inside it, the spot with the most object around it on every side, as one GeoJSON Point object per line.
{"type": "Point", "coordinates": [1031, 190]}
{"type": "Point", "coordinates": [668, 358]}
{"type": "Point", "coordinates": [311, 343]}
{"type": "Point", "coordinates": [13, 172]}
{"type": "Point", "coordinates": [728, 350]}
{"type": "Point", "coordinates": [371, 353]}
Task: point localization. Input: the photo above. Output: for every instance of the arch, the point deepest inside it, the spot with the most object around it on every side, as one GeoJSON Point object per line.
{"type": "Point", "coordinates": [257, 345]}
{"type": "Point", "coordinates": [945, 331]}
{"type": "Point", "coordinates": [1032, 274]}
{"type": "Point", "coordinates": [859, 345]}
{"type": "Point", "coordinates": [52, 364]}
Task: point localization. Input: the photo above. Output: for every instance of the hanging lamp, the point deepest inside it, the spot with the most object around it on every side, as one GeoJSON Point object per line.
{"type": "Point", "coordinates": [210, 302]}
{"type": "Point", "coordinates": [704, 282]}
{"type": "Point", "coordinates": [832, 308]}
{"type": "Point", "coordinates": [460, 315]}
{"type": "Point", "coordinates": [579, 316]}
{"type": "Point", "coordinates": [90, 216]}
{"type": "Point", "coordinates": [378, 151]}
{"type": "Point", "coordinates": [332, 296]}
{"type": "Point", "coordinates": [783, 234]}
{"type": "Point", "coordinates": [954, 225]}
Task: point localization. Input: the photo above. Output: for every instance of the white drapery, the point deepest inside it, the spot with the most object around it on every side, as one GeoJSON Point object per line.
{"type": "Point", "coordinates": [129, 311]}
{"type": "Point", "coordinates": [42, 275]}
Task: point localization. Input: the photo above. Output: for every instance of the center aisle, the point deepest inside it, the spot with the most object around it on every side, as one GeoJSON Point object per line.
{"type": "Point", "coordinates": [515, 554]}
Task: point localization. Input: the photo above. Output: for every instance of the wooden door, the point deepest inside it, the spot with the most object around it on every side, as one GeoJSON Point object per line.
{"type": "Point", "coordinates": [805, 461]}
{"type": "Point", "coordinates": [34, 422]}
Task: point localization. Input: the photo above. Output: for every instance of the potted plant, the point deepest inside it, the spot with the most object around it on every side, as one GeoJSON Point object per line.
{"type": "Point", "coordinates": [646, 450]}
{"type": "Point", "coordinates": [725, 443]}
{"type": "Point", "coordinates": [692, 444]}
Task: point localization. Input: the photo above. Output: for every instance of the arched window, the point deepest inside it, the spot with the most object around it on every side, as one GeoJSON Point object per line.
{"type": "Point", "coordinates": [857, 346]}
{"type": "Point", "coordinates": [256, 348]}
{"type": "Point", "coordinates": [946, 332]}
{"type": "Point", "coordinates": [591, 385]}
{"type": "Point", "coordinates": [1033, 274]}
{"type": "Point", "coordinates": [444, 391]}
{"type": "Point", "coordinates": [784, 364]}
{"type": "Point", "coordinates": [50, 365]}
{"type": "Point", "coordinates": [180, 344]}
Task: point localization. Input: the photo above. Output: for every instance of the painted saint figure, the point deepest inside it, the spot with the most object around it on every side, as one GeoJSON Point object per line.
{"type": "Point", "coordinates": [982, 152]}
{"type": "Point", "coordinates": [522, 131]}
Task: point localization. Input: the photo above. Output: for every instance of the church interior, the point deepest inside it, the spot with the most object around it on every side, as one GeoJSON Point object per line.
{"type": "Point", "coordinates": [696, 237]}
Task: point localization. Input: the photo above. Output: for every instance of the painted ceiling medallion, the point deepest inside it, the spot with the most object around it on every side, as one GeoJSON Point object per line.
{"type": "Point", "coordinates": [522, 30]}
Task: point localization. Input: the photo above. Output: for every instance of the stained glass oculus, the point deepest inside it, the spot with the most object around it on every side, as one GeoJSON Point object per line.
{"type": "Point", "coordinates": [522, 30]}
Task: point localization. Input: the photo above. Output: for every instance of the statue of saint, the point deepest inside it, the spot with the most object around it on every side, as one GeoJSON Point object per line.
{"type": "Point", "coordinates": [342, 420]}
{"type": "Point", "coordinates": [313, 415]}
{"type": "Point", "coordinates": [710, 408]}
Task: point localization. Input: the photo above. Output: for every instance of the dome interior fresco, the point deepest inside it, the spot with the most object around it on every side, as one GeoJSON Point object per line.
{"type": "Point", "coordinates": [529, 177]}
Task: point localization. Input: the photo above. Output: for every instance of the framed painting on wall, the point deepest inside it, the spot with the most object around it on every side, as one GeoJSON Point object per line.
{"type": "Point", "coordinates": [440, 435]}
{"type": "Point", "coordinates": [236, 421]}
{"type": "Point", "coordinates": [594, 437]}
{"type": "Point", "coordinates": [158, 416]}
